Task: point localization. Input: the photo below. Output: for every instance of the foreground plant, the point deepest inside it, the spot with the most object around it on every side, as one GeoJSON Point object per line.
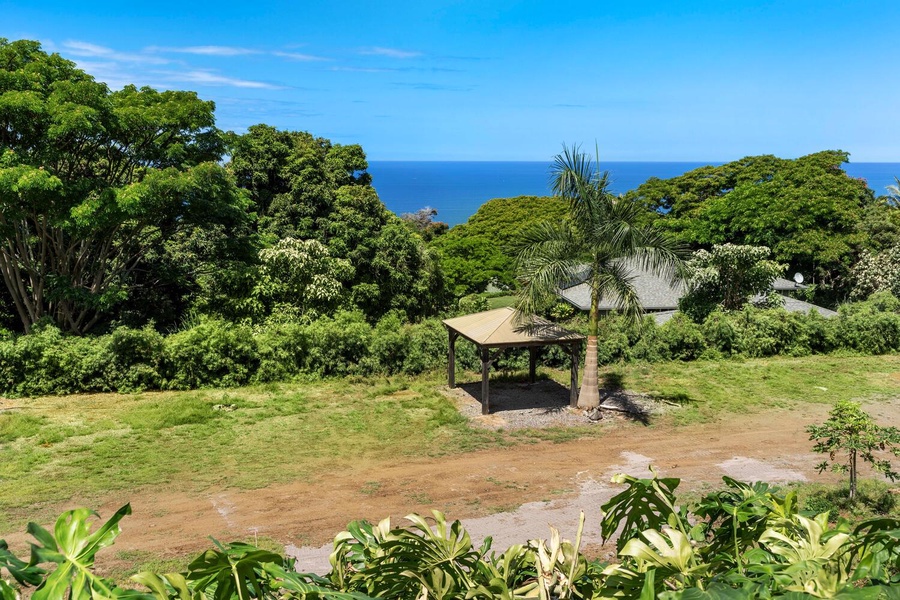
{"type": "Point", "coordinates": [851, 431]}
{"type": "Point", "coordinates": [745, 541]}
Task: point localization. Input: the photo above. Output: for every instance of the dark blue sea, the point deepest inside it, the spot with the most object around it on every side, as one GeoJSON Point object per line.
{"type": "Point", "coordinates": [457, 189]}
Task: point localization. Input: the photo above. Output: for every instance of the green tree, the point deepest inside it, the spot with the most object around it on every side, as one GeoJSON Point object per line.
{"type": "Point", "coordinates": [850, 430]}
{"type": "Point", "coordinates": [90, 180]}
{"type": "Point", "coordinates": [300, 278]}
{"type": "Point", "coordinates": [293, 177]}
{"type": "Point", "coordinates": [480, 250]}
{"type": "Point", "coordinates": [601, 231]}
{"type": "Point", "coordinates": [307, 188]}
{"type": "Point", "coordinates": [811, 214]}
{"type": "Point", "coordinates": [875, 273]}
{"type": "Point", "coordinates": [727, 276]}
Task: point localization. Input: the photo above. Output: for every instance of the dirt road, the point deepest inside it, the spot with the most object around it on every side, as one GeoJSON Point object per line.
{"type": "Point", "coordinates": [511, 493]}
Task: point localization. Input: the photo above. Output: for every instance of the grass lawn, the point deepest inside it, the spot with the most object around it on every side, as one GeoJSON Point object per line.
{"type": "Point", "coordinates": [77, 447]}
{"type": "Point", "coordinates": [501, 301]}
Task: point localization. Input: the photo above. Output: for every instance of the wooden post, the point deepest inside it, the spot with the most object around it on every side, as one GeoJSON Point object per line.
{"type": "Point", "coordinates": [573, 391]}
{"type": "Point", "coordinates": [451, 359]}
{"type": "Point", "coordinates": [532, 363]}
{"type": "Point", "coordinates": [485, 377]}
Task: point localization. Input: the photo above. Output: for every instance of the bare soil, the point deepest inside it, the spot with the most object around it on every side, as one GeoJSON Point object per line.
{"type": "Point", "coordinates": [511, 493]}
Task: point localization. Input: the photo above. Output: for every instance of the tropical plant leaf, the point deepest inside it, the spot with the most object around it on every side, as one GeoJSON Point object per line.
{"type": "Point", "coordinates": [645, 504]}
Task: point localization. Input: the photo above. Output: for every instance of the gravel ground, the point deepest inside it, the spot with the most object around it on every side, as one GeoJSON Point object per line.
{"type": "Point", "coordinates": [544, 403]}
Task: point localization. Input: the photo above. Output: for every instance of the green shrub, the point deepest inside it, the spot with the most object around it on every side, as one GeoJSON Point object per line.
{"type": "Point", "coordinates": [134, 359]}
{"type": "Point", "coordinates": [680, 339]}
{"type": "Point", "coordinates": [337, 345]}
{"type": "Point", "coordinates": [281, 346]}
{"type": "Point", "coordinates": [211, 353]}
{"type": "Point", "coordinates": [872, 327]}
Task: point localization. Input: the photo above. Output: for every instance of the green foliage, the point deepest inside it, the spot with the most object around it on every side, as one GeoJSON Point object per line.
{"type": "Point", "coordinates": [593, 244]}
{"type": "Point", "coordinates": [300, 278]}
{"type": "Point", "coordinates": [478, 252]}
{"type": "Point", "coordinates": [874, 273]}
{"type": "Point", "coordinates": [212, 352]}
{"type": "Point", "coordinates": [215, 353]}
{"type": "Point", "coordinates": [92, 182]}
{"type": "Point", "coordinates": [745, 541]}
{"type": "Point", "coordinates": [850, 430]}
{"type": "Point", "coordinates": [811, 214]}
{"type": "Point", "coordinates": [309, 189]}
{"type": "Point", "coordinates": [726, 276]}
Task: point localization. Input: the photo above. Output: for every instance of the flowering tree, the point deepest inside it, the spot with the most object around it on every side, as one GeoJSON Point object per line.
{"type": "Point", "coordinates": [876, 273]}
{"type": "Point", "coordinates": [301, 276]}
{"type": "Point", "coordinates": [727, 276]}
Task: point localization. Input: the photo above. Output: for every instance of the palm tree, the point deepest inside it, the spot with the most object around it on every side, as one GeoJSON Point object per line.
{"type": "Point", "coordinates": [601, 233]}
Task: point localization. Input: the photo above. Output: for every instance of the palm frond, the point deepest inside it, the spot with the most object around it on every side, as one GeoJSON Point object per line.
{"type": "Point", "coordinates": [614, 279]}
{"type": "Point", "coordinates": [548, 255]}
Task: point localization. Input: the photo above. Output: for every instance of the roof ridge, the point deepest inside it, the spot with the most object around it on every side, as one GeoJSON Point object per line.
{"type": "Point", "coordinates": [512, 312]}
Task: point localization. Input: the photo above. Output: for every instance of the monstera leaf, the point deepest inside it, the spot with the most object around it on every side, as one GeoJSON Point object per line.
{"type": "Point", "coordinates": [72, 547]}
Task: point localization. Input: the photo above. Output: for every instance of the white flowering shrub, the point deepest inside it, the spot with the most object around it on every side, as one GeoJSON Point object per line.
{"type": "Point", "coordinates": [876, 273]}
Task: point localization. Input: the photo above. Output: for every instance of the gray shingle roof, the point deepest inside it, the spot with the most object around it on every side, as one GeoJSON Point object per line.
{"type": "Point", "coordinates": [654, 292]}
{"type": "Point", "coordinates": [659, 294]}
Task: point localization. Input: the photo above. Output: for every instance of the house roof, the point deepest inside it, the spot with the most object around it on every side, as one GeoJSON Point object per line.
{"type": "Point", "coordinates": [660, 295]}
{"type": "Point", "coordinates": [655, 292]}
{"type": "Point", "coordinates": [786, 285]}
{"type": "Point", "coordinates": [500, 328]}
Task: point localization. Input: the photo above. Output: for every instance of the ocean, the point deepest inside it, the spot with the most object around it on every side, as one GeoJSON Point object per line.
{"type": "Point", "coordinates": [458, 189]}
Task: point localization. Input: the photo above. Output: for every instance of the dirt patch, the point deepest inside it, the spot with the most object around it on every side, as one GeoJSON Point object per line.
{"type": "Point", "coordinates": [510, 493]}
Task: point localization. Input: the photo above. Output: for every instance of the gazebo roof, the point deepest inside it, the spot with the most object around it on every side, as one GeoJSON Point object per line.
{"type": "Point", "coordinates": [498, 329]}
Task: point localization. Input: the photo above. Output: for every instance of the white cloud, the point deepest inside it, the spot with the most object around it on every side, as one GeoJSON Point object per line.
{"type": "Point", "coordinates": [214, 79]}
{"type": "Point", "coordinates": [88, 50]}
{"type": "Point", "coordinates": [206, 50]}
{"type": "Point", "coordinates": [390, 52]}
{"type": "Point", "coordinates": [364, 69]}
{"type": "Point", "coordinates": [299, 56]}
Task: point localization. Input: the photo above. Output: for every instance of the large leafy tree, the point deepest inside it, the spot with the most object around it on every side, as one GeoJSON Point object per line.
{"type": "Point", "coordinates": [600, 236]}
{"type": "Point", "coordinates": [811, 214]}
{"type": "Point", "coordinates": [293, 177]}
{"type": "Point", "coordinates": [307, 188]}
{"type": "Point", "coordinates": [92, 180]}
{"type": "Point", "coordinates": [479, 251]}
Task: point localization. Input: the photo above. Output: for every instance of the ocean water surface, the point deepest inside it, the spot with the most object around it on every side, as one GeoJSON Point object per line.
{"type": "Point", "coordinates": [456, 188]}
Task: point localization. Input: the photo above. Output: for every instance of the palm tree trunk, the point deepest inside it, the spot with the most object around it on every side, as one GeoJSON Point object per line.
{"type": "Point", "coordinates": [589, 395]}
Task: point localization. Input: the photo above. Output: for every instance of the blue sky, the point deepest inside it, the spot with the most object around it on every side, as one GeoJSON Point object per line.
{"type": "Point", "coordinates": [504, 80]}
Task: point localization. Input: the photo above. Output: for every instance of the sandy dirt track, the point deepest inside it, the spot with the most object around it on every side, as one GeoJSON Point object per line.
{"type": "Point", "coordinates": [510, 493]}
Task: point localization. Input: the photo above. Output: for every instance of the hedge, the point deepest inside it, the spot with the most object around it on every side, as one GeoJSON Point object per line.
{"type": "Point", "coordinates": [216, 353]}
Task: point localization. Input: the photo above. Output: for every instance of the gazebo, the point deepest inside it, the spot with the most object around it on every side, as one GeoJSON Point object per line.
{"type": "Point", "coordinates": [495, 330]}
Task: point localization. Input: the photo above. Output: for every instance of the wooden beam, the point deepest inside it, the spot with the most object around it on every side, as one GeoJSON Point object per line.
{"type": "Point", "coordinates": [451, 359]}
{"type": "Point", "coordinates": [485, 379]}
{"type": "Point", "coordinates": [573, 385]}
{"type": "Point", "coordinates": [532, 364]}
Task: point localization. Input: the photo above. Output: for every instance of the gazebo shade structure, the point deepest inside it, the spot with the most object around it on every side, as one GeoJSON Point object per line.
{"type": "Point", "coordinates": [496, 330]}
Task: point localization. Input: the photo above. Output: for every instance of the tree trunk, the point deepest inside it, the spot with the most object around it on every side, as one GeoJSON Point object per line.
{"type": "Point", "coordinates": [852, 475]}
{"type": "Point", "coordinates": [589, 396]}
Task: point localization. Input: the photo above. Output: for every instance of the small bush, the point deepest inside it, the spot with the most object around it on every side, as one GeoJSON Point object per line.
{"type": "Point", "coordinates": [212, 353]}
{"type": "Point", "coordinates": [134, 359]}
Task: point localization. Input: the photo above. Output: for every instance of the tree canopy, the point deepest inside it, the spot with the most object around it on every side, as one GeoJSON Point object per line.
{"type": "Point", "coordinates": [90, 180]}
{"type": "Point", "coordinates": [307, 188]}
{"type": "Point", "coordinates": [811, 214]}
{"type": "Point", "coordinates": [479, 251]}
{"type": "Point", "coordinates": [727, 276]}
